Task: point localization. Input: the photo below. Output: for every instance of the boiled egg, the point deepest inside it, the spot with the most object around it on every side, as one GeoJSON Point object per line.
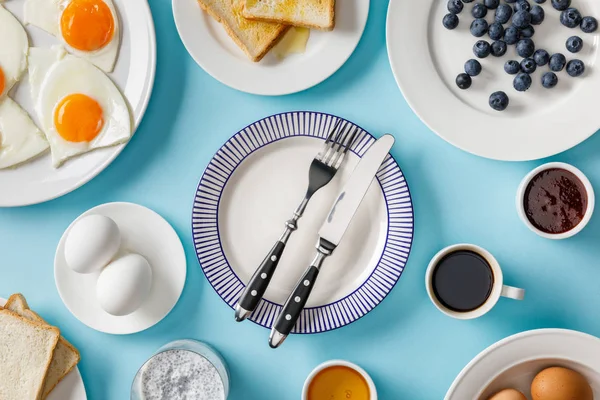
{"type": "Point", "coordinates": [124, 285]}
{"type": "Point", "coordinates": [79, 108]}
{"type": "Point", "coordinates": [508, 394]}
{"type": "Point", "coordinates": [88, 28]}
{"type": "Point", "coordinates": [20, 139]}
{"type": "Point", "coordinates": [14, 47]}
{"type": "Point", "coordinates": [557, 383]}
{"type": "Point", "coordinates": [91, 243]}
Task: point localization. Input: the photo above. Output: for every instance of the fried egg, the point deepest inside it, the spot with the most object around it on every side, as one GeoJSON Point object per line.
{"type": "Point", "coordinates": [88, 28]}
{"type": "Point", "coordinates": [79, 108]}
{"type": "Point", "coordinates": [20, 139]}
{"type": "Point", "coordinates": [14, 46]}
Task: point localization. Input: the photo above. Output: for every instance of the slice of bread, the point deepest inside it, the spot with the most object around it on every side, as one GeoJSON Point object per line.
{"type": "Point", "coordinates": [65, 358]}
{"type": "Point", "coordinates": [256, 38]}
{"type": "Point", "coordinates": [26, 350]}
{"type": "Point", "coordinates": [317, 14]}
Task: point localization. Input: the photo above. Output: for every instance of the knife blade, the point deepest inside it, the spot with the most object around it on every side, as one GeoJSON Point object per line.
{"type": "Point", "coordinates": [331, 233]}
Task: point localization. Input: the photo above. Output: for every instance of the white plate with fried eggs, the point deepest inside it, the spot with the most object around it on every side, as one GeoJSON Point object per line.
{"type": "Point", "coordinates": [85, 89]}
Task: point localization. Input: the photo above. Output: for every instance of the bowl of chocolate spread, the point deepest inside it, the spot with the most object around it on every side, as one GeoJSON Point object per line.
{"type": "Point", "coordinates": [555, 200]}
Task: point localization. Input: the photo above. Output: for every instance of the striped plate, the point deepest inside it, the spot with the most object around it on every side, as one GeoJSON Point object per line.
{"type": "Point", "coordinates": [251, 187]}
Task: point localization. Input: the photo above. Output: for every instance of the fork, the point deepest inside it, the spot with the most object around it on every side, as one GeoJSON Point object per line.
{"type": "Point", "coordinates": [322, 170]}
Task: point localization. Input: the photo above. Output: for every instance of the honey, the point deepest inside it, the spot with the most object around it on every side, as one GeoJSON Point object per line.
{"type": "Point", "coordinates": [338, 383]}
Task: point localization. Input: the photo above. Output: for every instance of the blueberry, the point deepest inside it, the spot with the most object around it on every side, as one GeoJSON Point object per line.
{"type": "Point", "coordinates": [479, 10]}
{"type": "Point", "coordinates": [589, 24]}
{"type": "Point", "coordinates": [549, 80]}
{"type": "Point", "coordinates": [540, 1]}
{"type": "Point", "coordinates": [467, 1]}
{"type": "Point", "coordinates": [512, 67]}
{"type": "Point", "coordinates": [522, 82]}
{"type": "Point", "coordinates": [525, 48]}
{"type": "Point", "coordinates": [527, 32]}
{"type": "Point", "coordinates": [503, 13]}
{"type": "Point", "coordinates": [463, 81]}
{"type": "Point", "coordinates": [541, 57]}
{"type": "Point", "coordinates": [511, 35]}
{"type": "Point", "coordinates": [528, 65]}
{"type": "Point", "coordinates": [498, 48]}
{"type": "Point", "coordinates": [450, 21]}
{"type": "Point", "coordinates": [521, 19]}
{"type": "Point", "coordinates": [491, 4]}
{"type": "Point", "coordinates": [496, 31]}
{"type": "Point", "coordinates": [499, 101]}
{"type": "Point", "coordinates": [522, 5]}
{"type": "Point", "coordinates": [537, 15]}
{"type": "Point", "coordinates": [574, 44]}
{"type": "Point", "coordinates": [570, 18]}
{"type": "Point", "coordinates": [455, 6]}
{"type": "Point", "coordinates": [479, 27]}
{"type": "Point", "coordinates": [510, 1]}
{"type": "Point", "coordinates": [557, 62]}
{"type": "Point", "coordinates": [561, 5]}
{"type": "Point", "coordinates": [473, 67]}
{"type": "Point", "coordinates": [482, 49]}
{"type": "Point", "coordinates": [575, 68]}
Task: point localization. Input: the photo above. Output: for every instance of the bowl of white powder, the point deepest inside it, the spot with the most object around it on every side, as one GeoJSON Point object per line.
{"type": "Point", "coordinates": [184, 369]}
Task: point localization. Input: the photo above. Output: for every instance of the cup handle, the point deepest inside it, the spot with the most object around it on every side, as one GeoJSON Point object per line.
{"type": "Point", "coordinates": [512, 292]}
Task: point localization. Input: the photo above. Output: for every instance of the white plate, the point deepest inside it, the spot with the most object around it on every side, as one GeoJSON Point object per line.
{"type": "Point", "coordinates": [37, 181]}
{"type": "Point", "coordinates": [426, 58]}
{"type": "Point", "coordinates": [144, 232]}
{"type": "Point", "coordinates": [212, 49]}
{"type": "Point", "coordinates": [252, 186]}
{"type": "Point", "coordinates": [513, 363]}
{"type": "Point", "coordinates": [70, 388]}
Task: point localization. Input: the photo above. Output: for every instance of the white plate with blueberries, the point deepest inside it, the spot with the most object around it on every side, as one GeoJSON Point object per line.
{"type": "Point", "coordinates": [510, 80]}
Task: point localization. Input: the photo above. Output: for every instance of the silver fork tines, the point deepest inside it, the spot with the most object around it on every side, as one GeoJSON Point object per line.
{"type": "Point", "coordinates": [337, 144]}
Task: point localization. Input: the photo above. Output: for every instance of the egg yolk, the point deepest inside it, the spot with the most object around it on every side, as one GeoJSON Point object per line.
{"type": "Point", "coordinates": [87, 25]}
{"type": "Point", "coordinates": [1, 81]}
{"type": "Point", "coordinates": [78, 118]}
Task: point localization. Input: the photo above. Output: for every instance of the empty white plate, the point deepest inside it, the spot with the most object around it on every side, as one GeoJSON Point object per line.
{"type": "Point", "coordinates": [513, 363]}
{"type": "Point", "coordinates": [70, 388]}
{"type": "Point", "coordinates": [143, 232]}
{"type": "Point", "coordinates": [212, 48]}
{"type": "Point", "coordinates": [37, 181]}
{"type": "Point", "coordinates": [426, 58]}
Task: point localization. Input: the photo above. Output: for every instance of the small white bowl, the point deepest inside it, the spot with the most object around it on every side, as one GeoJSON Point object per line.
{"type": "Point", "coordinates": [590, 197]}
{"type": "Point", "coordinates": [339, 363]}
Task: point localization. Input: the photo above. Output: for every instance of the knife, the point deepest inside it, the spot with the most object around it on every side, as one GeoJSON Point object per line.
{"type": "Point", "coordinates": [330, 235]}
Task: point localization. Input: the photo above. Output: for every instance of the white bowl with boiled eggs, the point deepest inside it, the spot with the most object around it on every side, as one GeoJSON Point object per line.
{"type": "Point", "coordinates": [120, 268]}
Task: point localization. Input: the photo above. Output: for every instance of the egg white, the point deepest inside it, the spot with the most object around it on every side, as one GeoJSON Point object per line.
{"type": "Point", "coordinates": [46, 14]}
{"type": "Point", "coordinates": [20, 139]}
{"type": "Point", "coordinates": [14, 47]}
{"type": "Point", "coordinates": [53, 75]}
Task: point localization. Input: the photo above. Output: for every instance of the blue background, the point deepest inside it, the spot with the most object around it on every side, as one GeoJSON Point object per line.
{"type": "Point", "coordinates": [411, 350]}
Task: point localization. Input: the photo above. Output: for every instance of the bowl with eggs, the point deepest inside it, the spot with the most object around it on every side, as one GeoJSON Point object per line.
{"type": "Point", "coordinates": [543, 364]}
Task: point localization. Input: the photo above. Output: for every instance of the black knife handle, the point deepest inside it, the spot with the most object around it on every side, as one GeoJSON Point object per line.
{"type": "Point", "coordinates": [259, 282]}
{"type": "Point", "coordinates": [295, 303]}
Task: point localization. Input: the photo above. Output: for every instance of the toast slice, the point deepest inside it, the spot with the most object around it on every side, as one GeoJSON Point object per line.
{"type": "Point", "coordinates": [26, 350]}
{"type": "Point", "coordinates": [317, 14]}
{"type": "Point", "coordinates": [256, 38]}
{"type": "Point", "coordinates": [65, 358]}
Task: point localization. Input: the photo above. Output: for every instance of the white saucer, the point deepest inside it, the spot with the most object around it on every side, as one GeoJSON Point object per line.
{"type": "Point", "coordinates": [426, 58]}
{"type": "Point", "coordinates": [70, 388]}
{"type": "Point", "coordinates": [144, 232]}
{"type": "Point", "coordinates": [513, 363]}
{"type": "Point", "coordinates": [213, 50]}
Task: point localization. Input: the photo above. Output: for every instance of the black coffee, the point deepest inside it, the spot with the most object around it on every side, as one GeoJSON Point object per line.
{"type": "Point", "coordinates": [462, 281]}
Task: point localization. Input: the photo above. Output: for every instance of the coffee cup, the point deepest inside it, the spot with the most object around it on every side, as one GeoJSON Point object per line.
{"type": "Point", "coordinates": [465, 281]}
{"type": "Point", "coordinates": [348, 377]}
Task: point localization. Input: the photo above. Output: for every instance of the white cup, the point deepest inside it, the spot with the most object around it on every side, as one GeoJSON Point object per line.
{"type": "Point", "coordinates": [339, 363]}
{"type": "Point", "coordinates": [498, 290]}
{"type": "Point", "coordinates": [588, 188]}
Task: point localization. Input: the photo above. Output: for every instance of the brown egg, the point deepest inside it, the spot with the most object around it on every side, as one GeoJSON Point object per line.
{"type": "Point", "coordinates": [508, 394]}
{"type": "Point", "coordinates": [558, 383]}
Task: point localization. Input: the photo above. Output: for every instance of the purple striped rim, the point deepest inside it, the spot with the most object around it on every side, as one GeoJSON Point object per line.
{"type": "Point", "coordinates": [222, 277]}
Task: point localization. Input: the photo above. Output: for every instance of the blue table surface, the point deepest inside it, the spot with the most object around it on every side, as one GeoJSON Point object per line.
{"type": "Point", "coordinates": [411, 350]}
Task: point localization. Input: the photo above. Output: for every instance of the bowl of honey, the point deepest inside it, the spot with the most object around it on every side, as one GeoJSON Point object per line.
{"type": "Point", "coordinates": [339, 380]}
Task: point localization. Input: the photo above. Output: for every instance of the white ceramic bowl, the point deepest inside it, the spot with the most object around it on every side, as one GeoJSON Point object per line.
{"type": "Point", "coordinates": [586, 183]}
{"type": "Point", "coordinates": [339, 363]}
